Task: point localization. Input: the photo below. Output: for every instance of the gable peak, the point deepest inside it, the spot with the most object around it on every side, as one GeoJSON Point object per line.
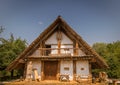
{"type": "Point", "coordinates": [59, 16]}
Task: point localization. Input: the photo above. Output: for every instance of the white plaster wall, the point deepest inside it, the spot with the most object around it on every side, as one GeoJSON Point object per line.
{"type": "Point", "coordinates": [68, 64]}
{"type": "Point", "coordinates": [36, 53]}
{"type": "Point", "coordinates": [68, 51]}
{"type": "Point", "coordinates": [66, 40]}
{"type": "Point", "coordinates": [35, 65]}
{"type": "Point", "coordinates": [52, 39]}
{"type": "Point", "coordinates": [82, 64]}
{"type": "Point", "coordinates": [81, 53]}
{"type": "Point", "coordinates": [55, 51]}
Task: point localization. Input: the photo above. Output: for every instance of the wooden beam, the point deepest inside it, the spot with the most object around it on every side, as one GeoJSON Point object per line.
{"type": "Point", "coordinates": [59, 46]}
{"type": "Point", "coordinates": [58, 71]}
{"type": "Point", "coordinates": [21, 61]}
{"type": "Point", "coordinates": [42, 70]}
{"type": "Point", "coordinates": [74, 70]}
{"type": "Point", "coordinates": [25, 71]}
{"type": "Point", "coordinates": [59, 38]}
{"type": "Point", "coordinates": [90, 70]}
{"type": "Point", "coordinates": [93, 60]}
{"type": "Point", "coordinates": [76, 46]}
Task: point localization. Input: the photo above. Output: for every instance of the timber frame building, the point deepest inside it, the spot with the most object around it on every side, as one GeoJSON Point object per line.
{"type": "Point", "coordinates": [57, 51]}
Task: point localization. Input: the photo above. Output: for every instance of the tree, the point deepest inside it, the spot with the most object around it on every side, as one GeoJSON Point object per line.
{"type": "Point", "coordinates": [9, 50]}
{"type": "Point", "coordinates": [111, 53]}
{"type": "Point", "coordinates": [1, 29]}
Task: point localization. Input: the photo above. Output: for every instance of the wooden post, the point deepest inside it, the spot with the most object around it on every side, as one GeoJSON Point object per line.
{"type": "Point", "coordinates": [40, 49]}
{"type": "Point", "coordinates": [42, 70]}
{"type": "Point", "coordinates": [43, 50]}
{"type": "Point", "coordinates": [59, 38]}
{"type": "Point", "coordinates": [59, 45]}
{"type": "Point", "coordinates": [90, 70]}
{"type": "Point", "coordinates": [58, 71]}
{"type": "Point", "coordinates": [74, 70]}
{"type": "Point", "coordinates": [115, 83]}
{"type": "Point", "coordinates": [25, 70]}
{"type": "Point", "coordinates": [36, 74]}
{"type": "Point", "coordinates": [12, 73]}
{"type": "Point", "coordinates": [76, 48]}
{"type": "Point", "coordinates": [90, 73]}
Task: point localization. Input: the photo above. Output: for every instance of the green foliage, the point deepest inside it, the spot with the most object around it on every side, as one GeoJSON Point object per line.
{"type": "Point", "coordinates": [1, 29]}
{"type": "Point", "coordinates": [111, 53]}
{"type": "Point", "coordinates": [9, 50]}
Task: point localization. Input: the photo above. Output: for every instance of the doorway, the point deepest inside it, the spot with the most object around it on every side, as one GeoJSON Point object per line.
{"type": "Point", "coordinates": [48, 51]}
{"type": "Point", "coordinates": [50, 70]}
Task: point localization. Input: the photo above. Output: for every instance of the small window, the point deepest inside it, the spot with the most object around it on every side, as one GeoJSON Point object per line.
{"type": "Point", "coordinates": [47, 51]}
{"type": "Point", "coordinates": [82, 68]}
{"type": "Point", "coordinates": [66, 68]}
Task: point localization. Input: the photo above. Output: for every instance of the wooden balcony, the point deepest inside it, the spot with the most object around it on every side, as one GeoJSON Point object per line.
{"type": "Point", "coordinates": [59, 53]}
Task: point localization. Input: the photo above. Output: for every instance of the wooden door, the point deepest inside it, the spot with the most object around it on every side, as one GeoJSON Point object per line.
{"type": "Point", "coordinates": [50, 70]}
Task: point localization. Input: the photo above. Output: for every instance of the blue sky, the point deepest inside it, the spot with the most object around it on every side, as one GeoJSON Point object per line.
{"type": "Point", "coordinates": [94, 20]}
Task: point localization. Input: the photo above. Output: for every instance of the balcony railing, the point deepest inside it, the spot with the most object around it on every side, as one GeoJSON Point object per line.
{"type": "Point", "coordinates": [58, 52]}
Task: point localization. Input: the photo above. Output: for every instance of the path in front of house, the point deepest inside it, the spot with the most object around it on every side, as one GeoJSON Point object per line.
{"type": "Point", "coordinates": [46, 82]}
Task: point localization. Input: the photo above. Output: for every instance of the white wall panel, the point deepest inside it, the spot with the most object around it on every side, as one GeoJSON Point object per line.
{"type": "Point", "coordinates": [35, 65]}
{"type": "Point", "coordinates": [36, 53]}
{"type": "Point", "coordinates": [52, 39]}
{"type": "Point", "coordinates": [67, 64]}
{"type": "Point", "coordinates": [55, 51]}
{"type": "Point", "coordinates": [84, 65]}
{"type": "Point", "coordinates": [81, 53]}
{"type": "Point", "coordinates": [66, 40]}
{"type": "Point", "coordinates": [70, 51]}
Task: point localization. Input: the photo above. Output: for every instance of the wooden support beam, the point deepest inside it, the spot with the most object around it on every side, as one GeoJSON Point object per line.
{"type": "Point", "coordinates": [40, 49]}
{"type": "Point", "coordinates": [90, 70]}
{"type": "Point", "coordinates": [42, 70]}
{"type": "Point", "coordinates": [25, 70]}
{"type": "Point", "coordinates": [59, 38]}
{"type": "Point", "coordinates": [74, 70]}
{"type": "Point", "coordinates": [93, 60]}
{"type": "Point", "coordinates": [59, 46]}
{"type": "Point", "coordinates": [58, 71]}
{"type": "Point", "coordinates": [76, 46]}
{"type": "Point", "coordinates": [21, 61]}
{"type": "Point", "coordinates": [12, 73]}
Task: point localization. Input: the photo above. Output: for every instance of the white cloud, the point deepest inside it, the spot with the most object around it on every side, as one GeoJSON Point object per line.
{"type": "Point", "coordinates": [40, 22]}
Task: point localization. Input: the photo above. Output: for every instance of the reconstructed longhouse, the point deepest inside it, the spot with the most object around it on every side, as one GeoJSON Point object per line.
{"type": "Point", "coordinates": [58, 53]}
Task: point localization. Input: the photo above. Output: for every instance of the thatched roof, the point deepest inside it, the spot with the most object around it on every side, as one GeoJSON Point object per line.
{"type": "Point", "coordinates": [99, 62]}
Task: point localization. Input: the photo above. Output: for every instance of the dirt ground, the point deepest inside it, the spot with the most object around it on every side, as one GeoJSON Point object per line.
{"type": "Point", "coordinates": [46, 83]}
